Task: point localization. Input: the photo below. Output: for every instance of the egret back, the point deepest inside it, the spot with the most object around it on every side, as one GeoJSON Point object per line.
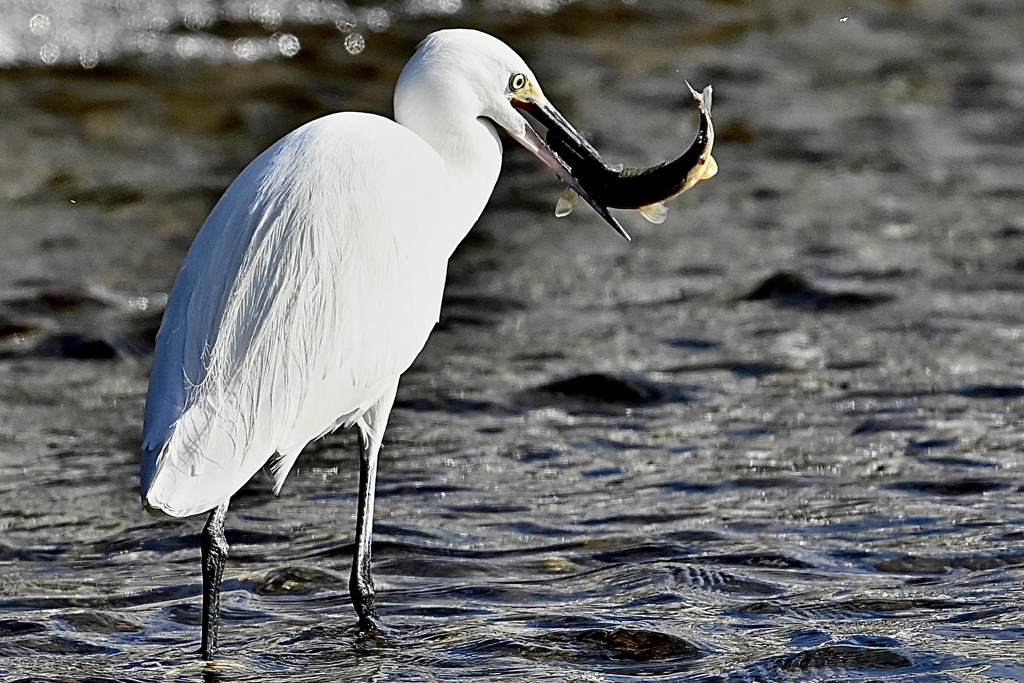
{"type": "Point", "coordinates": [311, 287]}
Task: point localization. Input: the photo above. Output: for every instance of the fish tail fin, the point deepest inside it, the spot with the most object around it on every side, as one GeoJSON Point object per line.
{"type": "Point", "coordinates": [703, 99]}
{"type": "Point", "coordinates": [697, 97]}
{"type": "Point", "coordinates": [655, 213]}
{"type": "Point", "coordinates": [566, 203]}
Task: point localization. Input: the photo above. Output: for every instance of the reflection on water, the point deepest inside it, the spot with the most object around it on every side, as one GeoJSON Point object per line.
{"type": "Point", "coordinates": [91, 32]}
{"type": "Point", "coordinates": [777, 437]}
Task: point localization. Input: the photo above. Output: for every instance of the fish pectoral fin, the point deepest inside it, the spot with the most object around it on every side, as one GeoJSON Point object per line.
{"type": "Point", "coordinates": [710, 170]}
{"type": "Point", "coordinates": [655, 213]}
{"type": "Point", "coordinates": [566, 203]}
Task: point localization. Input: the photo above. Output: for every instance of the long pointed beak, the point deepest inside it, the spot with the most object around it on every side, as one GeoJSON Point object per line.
{"type": "Point", "coordinates": [549, 117]}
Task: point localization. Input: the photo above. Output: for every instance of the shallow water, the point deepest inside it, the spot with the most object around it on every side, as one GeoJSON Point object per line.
{"type": "Point", "coordinates": [776, 438]}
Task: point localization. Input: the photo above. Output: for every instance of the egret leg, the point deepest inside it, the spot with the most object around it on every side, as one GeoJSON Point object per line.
{"type": "Point", "coordinates": [371, 433]}
{"type": "Point", "coordinates": [214, 547]}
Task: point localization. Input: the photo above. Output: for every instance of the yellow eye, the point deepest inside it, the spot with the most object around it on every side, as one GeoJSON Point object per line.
{"type": "Point", "coordinates": [517, 82]}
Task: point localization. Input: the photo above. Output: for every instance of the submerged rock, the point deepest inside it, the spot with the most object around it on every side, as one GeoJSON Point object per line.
{"type": "Point", "coordinates": [601, 388]}
{"type": "Point", "coordinates": [794, 291]}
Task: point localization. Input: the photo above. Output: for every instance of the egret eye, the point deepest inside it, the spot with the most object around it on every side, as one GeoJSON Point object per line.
{"type": "Point", "coordinates": [517, 82]}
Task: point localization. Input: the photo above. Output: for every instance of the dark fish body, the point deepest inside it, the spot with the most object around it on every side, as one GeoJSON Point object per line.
{"type": "Point", "coordinates": [638, 188]}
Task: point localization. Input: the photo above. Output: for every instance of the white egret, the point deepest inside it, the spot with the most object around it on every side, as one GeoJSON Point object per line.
{"type": "Point", "coordinates": [315, 282]}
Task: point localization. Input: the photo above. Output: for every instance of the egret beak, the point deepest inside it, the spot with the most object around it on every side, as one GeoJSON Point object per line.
{"type": "Point", "coordinates": [549, 117]}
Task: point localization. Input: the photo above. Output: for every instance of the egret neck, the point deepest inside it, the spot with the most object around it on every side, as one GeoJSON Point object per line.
{"type": "Point", "coordinates": [452, 120]}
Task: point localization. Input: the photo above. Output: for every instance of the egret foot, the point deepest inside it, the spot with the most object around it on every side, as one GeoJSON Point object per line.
{"type": "Point", "coordinates": [361, 589]}
{"type": "Point", "coordinates": [214, 547]}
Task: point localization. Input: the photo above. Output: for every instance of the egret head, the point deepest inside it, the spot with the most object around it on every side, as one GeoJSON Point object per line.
{"type": "Point", "coordinates": [460, 74]}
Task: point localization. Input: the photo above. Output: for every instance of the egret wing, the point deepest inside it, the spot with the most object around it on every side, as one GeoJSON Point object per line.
{"type": "Point", "coordinates": [311, 287]}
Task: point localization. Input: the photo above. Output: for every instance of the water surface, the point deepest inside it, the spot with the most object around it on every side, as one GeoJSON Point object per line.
{"type": "Point", "coordinates": [776, 438]}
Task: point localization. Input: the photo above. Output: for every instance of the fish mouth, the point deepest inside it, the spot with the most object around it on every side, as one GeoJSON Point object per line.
{"type": "Point", "coordinates": [549, 117]}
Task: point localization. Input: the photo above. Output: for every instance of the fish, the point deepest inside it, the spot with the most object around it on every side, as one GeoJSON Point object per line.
{"type": "Point", "coordinates": [643, 189]}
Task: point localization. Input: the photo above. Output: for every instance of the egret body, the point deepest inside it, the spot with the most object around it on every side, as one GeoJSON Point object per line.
{"type": "Point", "coordinates": [315, 281]}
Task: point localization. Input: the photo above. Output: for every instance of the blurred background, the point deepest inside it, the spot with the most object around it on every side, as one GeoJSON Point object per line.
{"type": "Point", "coordinates": [777, 437]}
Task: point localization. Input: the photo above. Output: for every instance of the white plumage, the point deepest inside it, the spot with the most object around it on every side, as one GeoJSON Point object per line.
{"type": "Point", "coordinates": [292, 313]}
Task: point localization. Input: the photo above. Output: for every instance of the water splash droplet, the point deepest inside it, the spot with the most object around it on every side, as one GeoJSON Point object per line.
{"type": "Point", "coordinates": [246, 49]}
{"type": "Point", "coordinates": [39, 24]}
{"type": "Point", "coordinates": [355, 43]}
{"type": "Point", "coordinates": [288, 45]}
{"type": "Point", "coordinates": [378, 19]}
{"type": "Point", "coordinates": [89, 58]}
{"type": "Point", "coordinates": [49, 53]}
{"type": "Point", "coordinates": [270, 19]}
{"type": "Point", "coordinates": [199, 19]}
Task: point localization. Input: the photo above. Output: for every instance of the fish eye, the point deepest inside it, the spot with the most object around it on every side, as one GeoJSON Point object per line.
{"type": "Point", "coordinates": [517, 82]}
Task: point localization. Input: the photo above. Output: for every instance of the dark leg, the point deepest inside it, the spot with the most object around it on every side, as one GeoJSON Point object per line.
{"type": "Point", "coordinates": [360, 585]}
{"type": "Point", "coordinates": [214, 547]}
{"type": "Point", "coordinates": [371, 432]}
